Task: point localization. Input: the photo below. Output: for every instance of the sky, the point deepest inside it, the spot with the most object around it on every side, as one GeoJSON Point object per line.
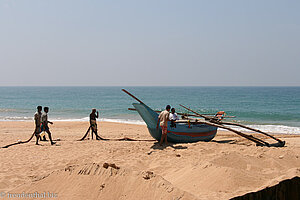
{"type": "Point", "coordinates": [149, 43]}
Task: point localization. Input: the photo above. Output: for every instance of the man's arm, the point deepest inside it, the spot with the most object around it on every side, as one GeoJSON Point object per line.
{"type": "Point", "coordinates": [46, 119]}
{"type": "Point", "coordinates": [97, 114]}
{"type": "Point", "coordinates": [158, 120]}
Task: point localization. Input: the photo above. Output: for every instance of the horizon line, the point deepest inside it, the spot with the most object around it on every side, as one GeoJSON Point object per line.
{"type": "Point", "coordinates": [151, 86]}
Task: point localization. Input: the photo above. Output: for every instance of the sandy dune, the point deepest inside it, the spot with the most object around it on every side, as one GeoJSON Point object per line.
{"type": "Point", "coordinates": [224, 168]}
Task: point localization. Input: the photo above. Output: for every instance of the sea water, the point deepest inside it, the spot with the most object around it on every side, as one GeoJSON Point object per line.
{"type": "Point", "coordinates": [272, 109]}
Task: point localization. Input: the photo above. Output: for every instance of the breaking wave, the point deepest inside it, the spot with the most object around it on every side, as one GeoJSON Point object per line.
{"type": "Point", "coordinates": [274, 129]}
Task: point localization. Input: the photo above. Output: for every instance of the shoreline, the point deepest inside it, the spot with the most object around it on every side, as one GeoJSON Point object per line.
{"type": "Point", "coordinates": [272, 129]}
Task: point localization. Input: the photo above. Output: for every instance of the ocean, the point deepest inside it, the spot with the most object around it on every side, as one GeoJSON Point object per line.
{"type": "Point", "coordinates": [271, 109]}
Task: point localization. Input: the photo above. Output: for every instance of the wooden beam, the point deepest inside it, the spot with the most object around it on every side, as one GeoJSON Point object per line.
{"type": "Point", "coordinates": [252, 129]}
{"type": "Point", "coordinates": [132, 96]}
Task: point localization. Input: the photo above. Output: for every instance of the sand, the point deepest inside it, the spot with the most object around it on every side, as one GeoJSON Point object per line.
{"type": "Point", "coordinates": [226, 167]}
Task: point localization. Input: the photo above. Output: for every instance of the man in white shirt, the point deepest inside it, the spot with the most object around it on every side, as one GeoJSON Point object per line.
{"type": "Point", "coordinates": [173, 117]}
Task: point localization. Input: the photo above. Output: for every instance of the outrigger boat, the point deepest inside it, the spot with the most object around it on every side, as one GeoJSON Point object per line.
{"type": "Point", "coordinates": [194, 130]}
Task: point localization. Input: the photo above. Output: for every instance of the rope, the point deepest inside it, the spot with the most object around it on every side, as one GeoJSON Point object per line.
{"type": "Point", "coordinates": [21, 142]}
{"type": "Point", "coordinates": [111, 139]}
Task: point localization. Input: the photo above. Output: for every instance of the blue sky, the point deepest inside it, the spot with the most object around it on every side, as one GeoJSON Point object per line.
{"type": "Point", "coordinates": [161, 43]}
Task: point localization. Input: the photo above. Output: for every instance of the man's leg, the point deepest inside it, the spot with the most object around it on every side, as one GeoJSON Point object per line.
{"type": "Point", "coordinates": [43, 137]}
{"type": "Point", "coordinates": [50, 138]}
{"type": "Point", "coordinates": [96, 134]}
{"type": "Point", "coordinates": [37, 132]}
{"type": "Point", "coordinates": [161, 139]}
{"type": "Point", "coordinates": [95, 130]}
{"type": "Point", "coordinates": [166, 136]}
{"type": "Point", "coordinates": [162, 135]}
{"type": "Point", "coordinates": [37, 138]}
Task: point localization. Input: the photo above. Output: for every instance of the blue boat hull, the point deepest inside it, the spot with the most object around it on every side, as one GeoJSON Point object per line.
{"type": "Point", "coordinates": [182, 133]}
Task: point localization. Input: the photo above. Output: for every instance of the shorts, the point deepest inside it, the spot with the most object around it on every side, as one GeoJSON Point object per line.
{"type": "Point", "coordinates": [44, 128]}
{"type": "Point", "coordinates": [164, 129]}
{"type": "Point", "coordinates": [93, 124]}
{"type": "Point", "coordinates": [37, 130]}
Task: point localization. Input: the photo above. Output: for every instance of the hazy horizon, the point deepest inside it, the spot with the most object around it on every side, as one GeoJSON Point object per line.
{"type": "Point", "coordinates": [149, 43]}
{"type": "Point", "coordinates": [137, 86]}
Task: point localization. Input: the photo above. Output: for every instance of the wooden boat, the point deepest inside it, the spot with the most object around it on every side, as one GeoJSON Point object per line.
{"type": "Point", "coordinates": [195, 130]}
{"type": "Point", "coordinates": [182, 133]}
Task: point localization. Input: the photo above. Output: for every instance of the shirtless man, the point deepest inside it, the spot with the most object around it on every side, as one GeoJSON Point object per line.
{"type": "Point", "coordinates": [45, 122]}
{"type": "Point", "coordinates": [37, 121]}
{"type": "Point", "coordinates": [163, 118]}
{"type": "Point", "coordinates": [93, 123]}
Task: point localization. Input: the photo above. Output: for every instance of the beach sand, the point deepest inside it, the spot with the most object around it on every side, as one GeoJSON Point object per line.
{"type": "Point", "coordinates": [226, 167]}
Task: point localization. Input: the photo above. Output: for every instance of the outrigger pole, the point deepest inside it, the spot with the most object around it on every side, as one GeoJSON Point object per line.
{"type": "Point", "coordinates": [252, 129]}
{"type": "Point", "coordinates": [217, 123]}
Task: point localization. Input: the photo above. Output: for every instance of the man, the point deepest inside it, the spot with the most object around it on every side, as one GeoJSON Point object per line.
{"type": "Point", "coordinates": [45, 122]}
{"type": "Point", "coordinates": [93, 123]}
{"type": "Point", "coordinates": [173, 117]}
{"type": "Point", "coordinates": [37, 121]}
{"type": "Point", "coordinates": [163, 119]}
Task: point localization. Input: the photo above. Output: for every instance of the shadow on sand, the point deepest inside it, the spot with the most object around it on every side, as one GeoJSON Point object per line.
{"type": "Point", "coordinates": [224, 141]}
{"type": "Point", "coordinates": [156, 145]}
